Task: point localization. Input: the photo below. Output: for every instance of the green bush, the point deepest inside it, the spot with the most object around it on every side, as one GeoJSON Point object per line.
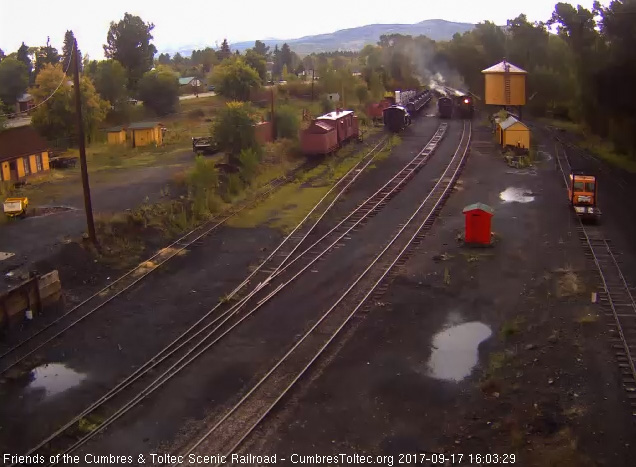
{"type": "Point", "coordinates": [287, 122]}
{"type": "Point", "coordinates": [248, 163]}
{"type": "Point", "coordinates": [233, 129]}
{"type": "Point", "coordinates": [202, 184]}
{"type": "Point", "coordinates": [234, 184]}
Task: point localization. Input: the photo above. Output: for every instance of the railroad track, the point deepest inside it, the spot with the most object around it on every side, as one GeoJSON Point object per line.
{"type": "Point", "coordinates": [99, 299]}
{"type": "Point", "coordinates": [196, 340]}
{"type": "Point", "coordinates": [616, 297]}
{"type": "Point", "coordinates": [232, 428]}
{"type": "Point", "coordinates": [70, 431]}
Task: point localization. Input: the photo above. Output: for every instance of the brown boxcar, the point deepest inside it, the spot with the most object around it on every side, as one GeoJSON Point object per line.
{"type": "Point", "coordinates": [345, 123]}
{"type": "Point", "coordinates": [320, 138]}
{"type": "Point", "coordinates": [375, 110]}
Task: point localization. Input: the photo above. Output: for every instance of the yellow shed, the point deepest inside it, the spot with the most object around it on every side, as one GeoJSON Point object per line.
{"type": "Point", "coordinates": [116, 135]}
{"type": "Point", "coordinates": [505, 84]}
{"type": "Point", "coordinates": [512, 132]}
{"type": "Point", "coordinates": [22, 152]}
{"type": "Point", "coordinates": [144, 133]}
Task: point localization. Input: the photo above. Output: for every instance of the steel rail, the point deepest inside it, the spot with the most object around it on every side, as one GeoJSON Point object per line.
{"type": "Point", "coordinates": [400, 254]}
{"type": "Point", "coordinates": [356, 170]}
{"type": "Point", "coordinates": [182, 362]}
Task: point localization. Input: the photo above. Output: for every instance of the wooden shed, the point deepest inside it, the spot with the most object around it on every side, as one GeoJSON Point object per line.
{"type": "Point", "coordinates": [22, 152]}
{"type": "Point", "coordinates": [145, 133]}
{"type": "Point", "coordinates": [512, 132]}
{"type": "Point", "coordinates": [116, 135]}
{"type": "Point", "coordinates": [505, 84]}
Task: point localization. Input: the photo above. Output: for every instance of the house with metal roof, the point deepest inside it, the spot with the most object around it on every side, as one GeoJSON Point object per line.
{"type": "Point", "coordinates": [190, 81]}
{"type": "Point", "coordinates": [512, 132]}
{"type": "Point", "coordinates": [22, 152]}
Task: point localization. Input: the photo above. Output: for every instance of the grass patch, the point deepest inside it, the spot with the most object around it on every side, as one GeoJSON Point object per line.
{"type": "Point", "coordinates": [588, 318]}
{"type": "Point", "coordinates": [601, 148]}
{"type": "Point", "coordinates": [285, 208]}
{"type": "Point", "coordinates": [572, 127]}
{"type": "Point", "coordinates": [568, 284]}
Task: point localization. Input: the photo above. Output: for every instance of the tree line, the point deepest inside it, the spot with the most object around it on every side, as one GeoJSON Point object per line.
{"type": "Point", "coordinates": [579, 64]}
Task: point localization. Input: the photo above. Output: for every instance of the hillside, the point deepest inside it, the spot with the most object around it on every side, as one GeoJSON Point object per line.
{"type": "Point", "coordinates": [353, 38]}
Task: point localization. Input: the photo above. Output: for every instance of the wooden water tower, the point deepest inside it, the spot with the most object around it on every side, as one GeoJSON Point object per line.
{"type": "Point", "coordinates": [505, 85]}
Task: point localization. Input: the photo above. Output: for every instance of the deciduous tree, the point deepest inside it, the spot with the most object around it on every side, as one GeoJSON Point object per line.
{"type": "Point", "coordinates": [257, 61]}
{"type": "Point", "coordinates": [159, 91]}
{"type": "Point", "coordinates": [128, 42]}
{"type": "Point", "coordinates": [233, 129]}
{"type": "Point", "coordinates": [110, 81]}
{"type": "Point", "coordinates": [234, 79]}
{"type": "Point", "coordinates": [55, 118]}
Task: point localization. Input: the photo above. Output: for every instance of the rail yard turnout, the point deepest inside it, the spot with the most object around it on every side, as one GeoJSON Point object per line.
{"type": "Point", "coordinates": [353, 257]}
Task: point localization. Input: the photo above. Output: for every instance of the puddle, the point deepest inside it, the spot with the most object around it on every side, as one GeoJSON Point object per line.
{"type": "Point", "coordinates": [455, 350]}
{"type": "Point", "coordinates": [54, 378]}
{"type": "Point", "coordinates": [516, 195]}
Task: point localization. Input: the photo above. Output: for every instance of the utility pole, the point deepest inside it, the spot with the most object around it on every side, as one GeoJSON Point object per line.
{"type": "Point", "coordinates": [313, 78]}
{"type": "Point", "coordinates": [82, 150]}
{"type": "Point", "coordinates": [272, 112]}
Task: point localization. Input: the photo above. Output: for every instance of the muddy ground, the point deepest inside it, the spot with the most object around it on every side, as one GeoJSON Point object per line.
{"type": "Point", "coordinates": [493, 350]}
{"type": "Point", "coordinates": [93, 356]}
{"type": "Point", "coordinates": [39, 237]}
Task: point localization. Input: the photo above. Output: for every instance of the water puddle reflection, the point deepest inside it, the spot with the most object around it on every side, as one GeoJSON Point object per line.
{"type": "Point", "coordinates": [54, 378]}
{"type": "Point", "coordinates": [455, 350]}
{"type": "Point", "coordinates": [516, 195]}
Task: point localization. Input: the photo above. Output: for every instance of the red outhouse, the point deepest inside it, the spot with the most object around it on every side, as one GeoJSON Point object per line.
{"type": "Point", "coordinates": [478, 221]}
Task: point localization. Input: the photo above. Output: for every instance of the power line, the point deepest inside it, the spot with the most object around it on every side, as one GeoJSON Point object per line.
{"type": "Point", "coordinates": [64, 78]}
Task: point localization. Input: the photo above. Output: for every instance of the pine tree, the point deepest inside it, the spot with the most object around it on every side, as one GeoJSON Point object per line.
{"type": "Point", "coordinates": [23, 56]}
{"type": "Point", "coordinates": [67, 49]}
{"type": "Point", "coordinates": [46, 54]}
{"type": "Point", "coordinates": [225, 51]}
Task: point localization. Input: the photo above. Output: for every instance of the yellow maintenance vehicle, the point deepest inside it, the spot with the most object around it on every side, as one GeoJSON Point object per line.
{"type": "Point", "coordinates": [583, 194]}
{"type": "Point", "coordinates": [15, 207]}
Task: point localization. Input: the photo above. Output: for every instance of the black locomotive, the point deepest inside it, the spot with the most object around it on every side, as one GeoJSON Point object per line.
{"type": "Point", "coordinates": [464, 106]}
{"type": "Point", "coordinates": [445, 107]}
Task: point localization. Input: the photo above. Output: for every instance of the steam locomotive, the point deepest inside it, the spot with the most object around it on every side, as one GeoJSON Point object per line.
{"type": "Point", "coordinates": [455, 104]}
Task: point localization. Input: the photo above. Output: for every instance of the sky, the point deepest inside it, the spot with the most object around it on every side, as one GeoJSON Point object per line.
{"type": "Point", "coordinates": [208, 22]}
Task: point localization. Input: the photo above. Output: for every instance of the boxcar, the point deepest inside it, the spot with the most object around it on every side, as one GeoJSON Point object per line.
{"type": "Point", "coordinates": [396, 118]}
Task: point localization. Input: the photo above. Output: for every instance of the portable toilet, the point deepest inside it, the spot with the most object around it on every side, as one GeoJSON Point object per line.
{"type": "Point", "coordinates": [478, 219]}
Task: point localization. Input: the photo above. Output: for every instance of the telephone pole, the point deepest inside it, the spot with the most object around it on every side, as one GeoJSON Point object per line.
{"type": "Point", "coordinates": [82, 150]}
{"type": "Point", "coordinates": [272, 112]}
{"type": "Point", "coordinates": [313, 78]}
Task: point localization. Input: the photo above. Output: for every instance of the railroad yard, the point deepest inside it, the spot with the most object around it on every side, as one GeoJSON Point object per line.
{"type": "Point", "coordinates": [411, 252]}
{"type": "Point", "coordinates": [458, 350]}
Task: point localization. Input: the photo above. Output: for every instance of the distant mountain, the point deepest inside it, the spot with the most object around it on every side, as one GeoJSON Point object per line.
{"type": "Point", "coordinates": [353, 38]}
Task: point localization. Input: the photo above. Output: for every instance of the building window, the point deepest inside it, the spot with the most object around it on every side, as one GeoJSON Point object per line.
{"type": "Point", "coordinates": [27, 168]}
{"type": "Point", "coordinates": [38, 162]}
